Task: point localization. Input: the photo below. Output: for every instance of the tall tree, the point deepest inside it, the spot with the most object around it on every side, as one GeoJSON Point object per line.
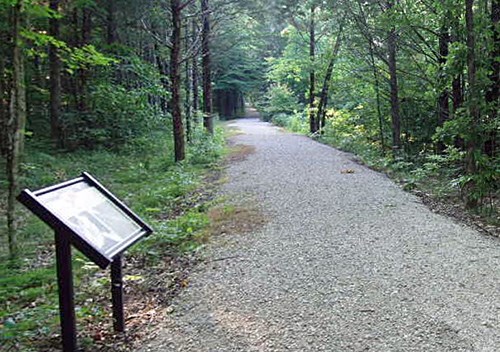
{"type": "Point", "coordinates": [195, 75]}
{"type": "Point", "coordinates": [444, 96]}
{"type": "Point", "coordinates": [16, 124]}
{"type": "Point", "coordinates": [493, 90]}
{"type": "Point", "coordinates": [313, 126]}
{"type": "Point", "coordinates": [457, 86]}
{"type": "Point", "coordinates": [175, 80]}
{"type": "Point", "coordinates": [473, 105]}
{"type": "Point", "coordinates": [206, 68]}
{"type": "Point", "coordinates": [189, 43]}
{"type": "Point", "coordinates": [4, 109]}
{"type": "Point", "coordinates": [323, 97]}
{"type": "Point", "coordinates": [55, 76]}
{"type": "Point", "coordinates": [392, 41]}
{"type": "Point", "coordinates": [111, 26]}
{"type": "Point", "coordinates": [85, 39]}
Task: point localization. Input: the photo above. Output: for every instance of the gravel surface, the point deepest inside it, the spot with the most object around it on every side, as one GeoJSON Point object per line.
{"type": "Point", "coordinates": [347, 262]}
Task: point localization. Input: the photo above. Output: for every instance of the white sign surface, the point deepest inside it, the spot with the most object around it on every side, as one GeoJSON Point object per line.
{"type": "Point", "coordinates": [91, 215]}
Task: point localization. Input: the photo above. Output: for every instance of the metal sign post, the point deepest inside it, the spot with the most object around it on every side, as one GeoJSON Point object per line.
{"type": "Point", "coordinates": [85, 214]}
{"type": "Point", "coordinates": [66, 301]}
{"type": "Point", "coordinates": [117, 294]}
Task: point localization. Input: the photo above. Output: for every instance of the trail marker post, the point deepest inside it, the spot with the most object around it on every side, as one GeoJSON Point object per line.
{"type": "Point", "coordinates": [85, 214]}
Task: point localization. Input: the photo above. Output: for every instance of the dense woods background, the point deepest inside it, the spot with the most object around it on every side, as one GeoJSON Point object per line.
{"type": "Point", "coordinates": [130, 89]}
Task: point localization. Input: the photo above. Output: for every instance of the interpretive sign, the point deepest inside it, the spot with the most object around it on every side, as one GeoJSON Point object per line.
{"type": "Point", "coordinates": [85, 214]}
{"type": "Point", "coordinates": [98, 224]}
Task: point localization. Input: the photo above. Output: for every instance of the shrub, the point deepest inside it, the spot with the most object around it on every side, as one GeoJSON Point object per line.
{"type": "Point", "coordinates": [279, 100]}
{"type": "Point", "coordinates": [116, 117]}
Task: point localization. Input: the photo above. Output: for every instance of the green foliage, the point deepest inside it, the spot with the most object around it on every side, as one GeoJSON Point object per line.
{"type": "Point", "coordinates": [236, 61]}
{"type": "Point", "coordinates": [296, 122]}
{"type": "Point", "coordinates": [184, 234]}
{"type": "Point", "coordinates": [74, 58]}
{"type": "Point", "coordinates": [85, 57]}
{"type": "Point", "coordinates": [118, 116]}
{"type": "Point", "coordinates": [204, 148]}
{"type": "Point", "coordinates": [280, 100]}
{"type": "Point", "coordinates": [290, 71]}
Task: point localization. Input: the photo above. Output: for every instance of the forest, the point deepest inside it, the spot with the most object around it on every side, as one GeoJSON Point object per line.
{"type": "Point", "coordinates": [134, 92]}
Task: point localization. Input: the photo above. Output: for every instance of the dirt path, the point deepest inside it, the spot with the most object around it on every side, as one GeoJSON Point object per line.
{"type": "Point", "coordinates": [346, 262]}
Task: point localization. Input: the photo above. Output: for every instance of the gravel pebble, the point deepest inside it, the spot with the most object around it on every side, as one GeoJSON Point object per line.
{"type": "Point", "coordinates": [347, 262]}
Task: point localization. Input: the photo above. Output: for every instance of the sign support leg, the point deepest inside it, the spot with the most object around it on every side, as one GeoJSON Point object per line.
{"type": "Point", "coordinates": [117, 294]}
{"type": "Point", "coordinates": [66, 302]}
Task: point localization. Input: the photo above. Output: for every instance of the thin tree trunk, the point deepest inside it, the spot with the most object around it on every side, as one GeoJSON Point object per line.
{"type": "Point", "coordinates": [175, 81]}
{"type": "Point", "coordinates": [444, 97]}
{"type": "Point", "coordinates": [457, 96]}
{"type": "Point", "coordinates": [74, 41]}
{"type": "Point", "coordinates": [16, 126]}
{"type": "Point", "coordinates": [163, 77]}
{"type": "Point", "coordinates": [84, 74]}
{"type": "Point", "coordinates": [377, 96]}
{"type": "Point", "coordinates": [323, 98]}
{"type": "Point", "coordinates": [4, 111]}
{"type": "Point", "coordinates": [111, 36]}
{"type": "Point", "coordinates": [187, 86]}
{"type": "Point", "coordinates": [195, 79]}
{"type": "Point", "coordinates": [207, 68]}
{"type": "Point", "coordinates": [473, 104]}
{"type": "Point", "coordinates": [55, 79]}
{"type": "Point", "coordinates": [312, 74]}
{"type": "Point", "coordinates": [393, 82]}
{"type": "Point", "coordinates": [493, 92]}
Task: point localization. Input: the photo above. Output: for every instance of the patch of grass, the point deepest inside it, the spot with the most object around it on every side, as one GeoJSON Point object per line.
{"type": "Point", "coordinates": [240, 152]}
{"type": "Point", "coordinates": [233, 219]}
{"type": "Point", "coordinates": [145, 178]}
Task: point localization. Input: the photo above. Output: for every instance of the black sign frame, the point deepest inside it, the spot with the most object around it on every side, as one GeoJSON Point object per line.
{"type": "Point", "coordinates": [31, 201]}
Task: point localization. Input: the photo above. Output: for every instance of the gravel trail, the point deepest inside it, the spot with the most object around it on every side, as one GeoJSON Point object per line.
{"type": "Point", "coordinates": [346, 262]}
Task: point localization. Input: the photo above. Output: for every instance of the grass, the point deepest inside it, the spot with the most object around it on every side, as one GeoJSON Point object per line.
{"type": "Point", "coordinates": [231, 219]}
{"type": "Point", "coordinates": [145, 177]}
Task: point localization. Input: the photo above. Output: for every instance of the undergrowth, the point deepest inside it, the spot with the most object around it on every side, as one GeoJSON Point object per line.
{"type": "Point", "coordinates": [145, 177]}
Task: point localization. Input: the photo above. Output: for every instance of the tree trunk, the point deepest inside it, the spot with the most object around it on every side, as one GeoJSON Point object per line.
{"type": "Point", "coordinates": [111, 36]}
{"type": "Point", "coordinates": [4, 110]}
{"type": "Point", "coordinates": [207, 68]}
{"type": "Point", "coordinates": [393, 82]}
{"type": "Point", "coordinates": [457, 96]}
{"type": "Point", "coordinates": [444, 96]}
{"type": "Point", "coordinates": [493, 92]}
{"type": "Point", "coordinates": [196, 92]}
{"type": "Point", "coordinates": [55, 79]}
{"type": "Point", "coordinates": [195, 79]}
{"type": "Point", "coordinates": [16, 125]}
{"type": "Point", "coordinates": [473, 105]}
{"type": "Point", "coordinates": [312, 74]}
{"type": "Point", "coordinates": [175, 81]}
{"type": "Point", "coordinates": [74, 41]}
{"type": "Point", "coordinates": [84, 73]}
{"type": "Point", "coordinates": [187, 86]}
{"type": "Point", "coordinates": [323, 98]}
{"type": "Point", "coordinates": [162, 68]}
{"type": "Point", "coordinates": [377, 96]}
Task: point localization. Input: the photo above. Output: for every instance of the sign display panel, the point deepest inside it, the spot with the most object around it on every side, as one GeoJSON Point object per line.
{"type": "Point", "coordinates": [97, 222]}
{"type": "Point", "coordinates": [92, 216]}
